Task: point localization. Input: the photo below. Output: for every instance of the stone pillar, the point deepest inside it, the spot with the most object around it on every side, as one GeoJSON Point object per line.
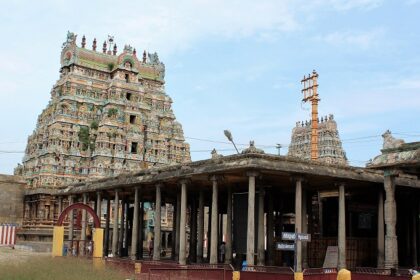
{"type": "Point", "coordinates": [135, 231]}
{"type": "Point", "coordinates": [178, 224]}
{"type": "Point", "coordinates": [390, 213]}
{"type": "Point", "coordinates": [122, 228]}
{"type": "Point", "coordinates": [158, 220]}
{"type": "Point", "coordinates": [115, 225]}
{"type": "Point", "coordinates": [341, 226]}
{"type": "Point", "coordinates": [261, 235]}
{"type": "Point", "coordinates": [99, 205]}
{"type": "Point", "coordinates": [83, 231]}
{"type": "Point", "coordinates": [214, 221]}
{"type": "Point", "coordinates": [270, 230]}
{"type": "Point", "coordinates": [141, 228]}
{"type": "Point", "coordinates": [60, 205]}
{"type": "Point", "coordinates": [381, 231]}
{"type": "Point", "coordinates": [228, 257]}
{"type": "Point", "coordinates": [71, 222]}
{"type": "Point", "coordinates": [200, 230]}
{"type": "Point", "coordinates": [183, 224]}
{"type": "Point", "coordinates": [304, 228]}
{"type": "Point", "coordinates": [298, 223]}
{"type": "Point", "coordinates": [321, 215]}
{"type": "Point", "coordinates": [250, 239]}
{"type": "Point", "coordinates": [193, 231]}
{"type": "Point", "coordinates": [107, 222]}
{"type": "Point", "coordinates": [208, 233]}
{"type": "Point", "coordinates": [174, 237]}
{"type": "Point", "coordinates": [127, 224]}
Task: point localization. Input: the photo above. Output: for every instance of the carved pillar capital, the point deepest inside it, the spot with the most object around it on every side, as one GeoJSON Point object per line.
{"type": "Point", "coordinates": [298, 177]}
{"type": "Point", "coordinates": [252, 173]}
{"type": "Point", "coordinates": [216, 177]}
{"type": "Point", "coordinates": [184, 181]}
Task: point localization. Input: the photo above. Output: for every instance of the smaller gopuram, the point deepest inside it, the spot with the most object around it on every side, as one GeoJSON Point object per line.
{"type": "Point", "coordinates": [329, 144]}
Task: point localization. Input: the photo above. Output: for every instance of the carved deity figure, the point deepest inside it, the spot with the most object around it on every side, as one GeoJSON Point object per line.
{"type": "Point", "coordinates": [71, 39]}
{"type": "Point", "coordinates": [390, 141]}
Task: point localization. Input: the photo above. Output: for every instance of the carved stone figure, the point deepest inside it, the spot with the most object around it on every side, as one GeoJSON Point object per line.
{"type": "Point", "coordinates": [390, 141]}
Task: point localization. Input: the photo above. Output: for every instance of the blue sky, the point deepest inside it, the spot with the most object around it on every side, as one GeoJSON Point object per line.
{"type": "Point", "coordinates": [231, 65]}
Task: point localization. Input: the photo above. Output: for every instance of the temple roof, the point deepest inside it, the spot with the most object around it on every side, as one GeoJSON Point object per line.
{"type": "Point", "coordinates": [405, 157]}
{"type": "Point", "coordinates": [149, 67]}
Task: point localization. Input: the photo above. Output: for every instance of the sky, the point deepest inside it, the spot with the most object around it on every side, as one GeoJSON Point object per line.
{"type": "Point", "coordinates": [233, 65]}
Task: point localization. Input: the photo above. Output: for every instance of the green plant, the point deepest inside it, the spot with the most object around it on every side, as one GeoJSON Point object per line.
{"type": "Point", "coordinates": [84, 137]}
{"type": "Point", "coordinates": [112, 112]}
{"type": "Point", "coordinates": [94, 125]}
{"type": "Point", "coordinates": [110, 66]}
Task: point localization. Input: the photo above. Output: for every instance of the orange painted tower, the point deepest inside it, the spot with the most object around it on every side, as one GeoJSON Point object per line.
{"type": "Point", "coordinates": [310, 93]}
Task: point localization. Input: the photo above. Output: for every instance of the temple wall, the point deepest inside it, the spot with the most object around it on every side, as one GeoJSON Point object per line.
{"type": "Point", "coordinates": [11, 199]}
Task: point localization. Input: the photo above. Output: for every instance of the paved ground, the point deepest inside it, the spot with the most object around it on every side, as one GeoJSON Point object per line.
{"type": "Point", "coordinates": [9, 255]}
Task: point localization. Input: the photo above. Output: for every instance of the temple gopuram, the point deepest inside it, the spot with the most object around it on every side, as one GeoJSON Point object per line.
{"type": "Point", "coordinates": [329, 143]}
{"type": "Point", "coordinates": [108, 114]}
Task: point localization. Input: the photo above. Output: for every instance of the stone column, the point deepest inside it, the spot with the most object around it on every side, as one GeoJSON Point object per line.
{"type": "Point", "coordinates": [270, 230]}
{"type": "Point", "coordinates": [250, 239]}
{"type": "Point", "coordinates": [390, 213]}
{"type": "Point", "coordinates": [228, 257]}
{"type": "Point", "coordinates": [99, 205]}
{"type": "Point", "coordinates": [214, 225]}
{"type": "Point", "coordinates": [157, 233]}
{"type": "Point", "coordinates": [71, 222]}
{"type": "Point", "coordinates": [178, 224]}
{"type": "Point", "coordinates": [298, 223]}
{"type": "Point", "coordinates": [115, 225]}
{"type": "Point", "coordinates": [141, 228]}
{"type": "Point", "coordinates": [304, 228]}
{"type": "Point", "coordinates": [122, 228]}
{"type": "Point", "coordinates": [183, 224]}
{"type": "Point", "coordinates": [381, 231]}
{"type": "Point", "coordinates": [200, 233]}
{"type": "Point", "coordinates": [261, 235]}
{"type": "Point", "coordinates": [208, 233]}
{"type": "Point", "coordinates": [83, 231]}
{"type": "Point", "coordinates": [107, 222]}
{"type": "Point", "coordinates": [174, 237]}
{"type": "Point", "coordinates": [341, 226]}
{"type": "Point", "coordinates": [193, 231]}
{"type": "Point", "coordinates": [60, 205]}
{"type": "Point", "coordinates": [135, 232]}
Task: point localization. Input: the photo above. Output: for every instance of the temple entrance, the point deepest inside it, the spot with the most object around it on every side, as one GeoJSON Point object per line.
{"type": "Point", "coordinates": [93, 245]}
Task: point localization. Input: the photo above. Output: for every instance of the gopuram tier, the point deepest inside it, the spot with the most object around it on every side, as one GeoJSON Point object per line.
{"type": "Point", "coordinates": [108, 114]}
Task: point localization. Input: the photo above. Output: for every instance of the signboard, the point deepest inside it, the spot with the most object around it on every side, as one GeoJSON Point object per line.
{"type": "Point", "coordinates": [285, 246]}
{"type": "Point", "coordinates": [304, 237]}
{"type": "Point", "coordinates": [288, 235]}
{"type": "Point", "coordinates": [331, 257]}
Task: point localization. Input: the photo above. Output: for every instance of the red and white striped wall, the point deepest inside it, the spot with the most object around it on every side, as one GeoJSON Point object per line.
{"type": "Point", "coordinates": [7, 235]}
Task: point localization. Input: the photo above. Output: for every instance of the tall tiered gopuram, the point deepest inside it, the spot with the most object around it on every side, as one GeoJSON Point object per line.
{"type": "Point", "coordinates": [329, 144]}
{"type": "Point", "coordinates": [108, 114]}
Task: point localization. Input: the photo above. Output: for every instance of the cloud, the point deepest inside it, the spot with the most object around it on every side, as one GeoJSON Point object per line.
{"type": "Point", "coordinates": [175, 25]}
{"type": "Point", "coordinates": [345, 5]}
{"type": "Point", "coordinates": [360, 39]}
{"type": "Point", "coordinates": [398, 96]}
